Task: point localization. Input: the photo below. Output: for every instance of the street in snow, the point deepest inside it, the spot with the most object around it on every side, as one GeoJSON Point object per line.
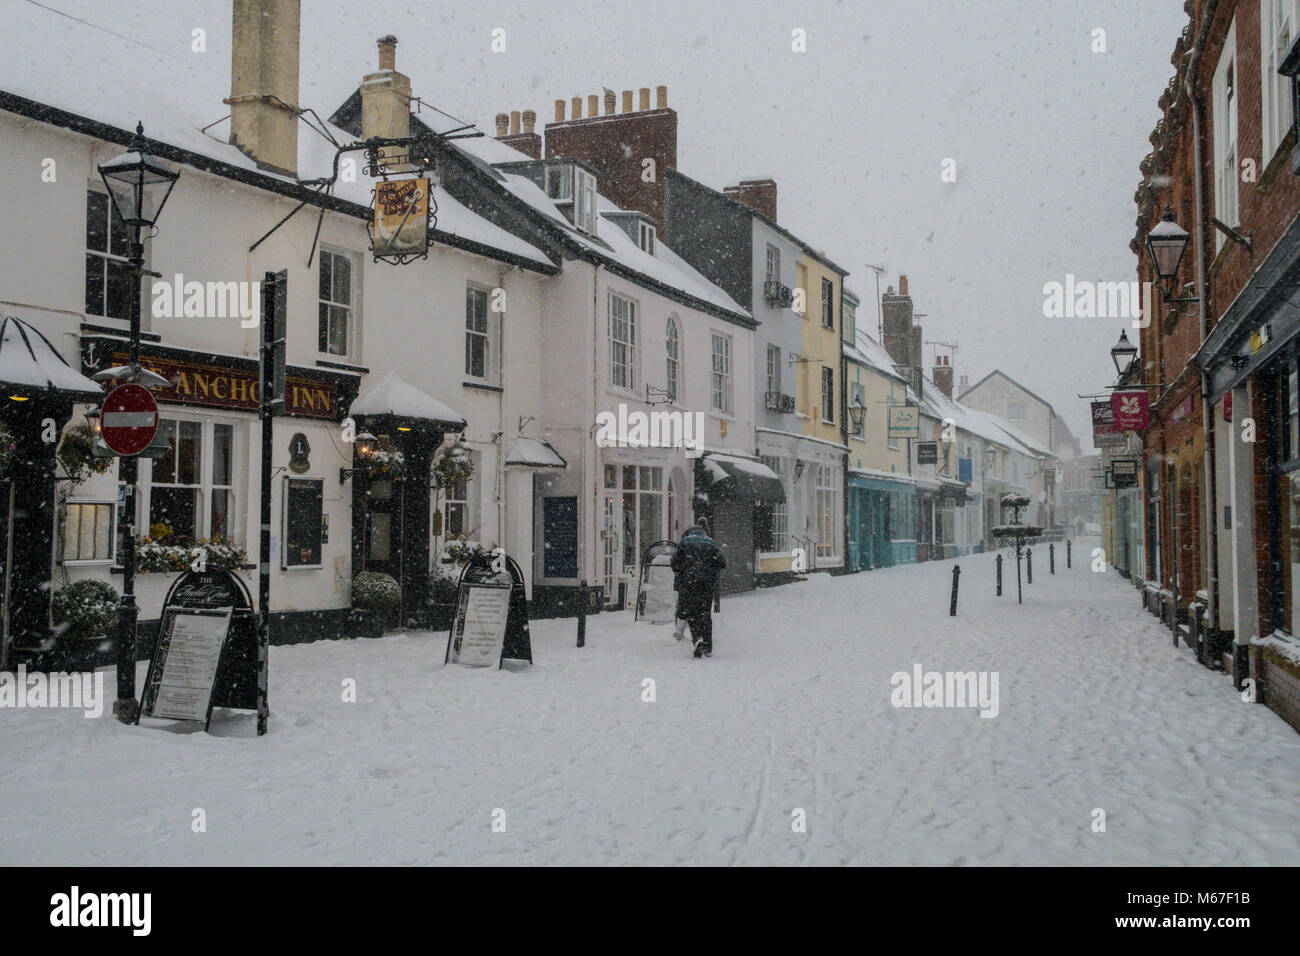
{"type": "Point", "coordinates": [1097, 710]}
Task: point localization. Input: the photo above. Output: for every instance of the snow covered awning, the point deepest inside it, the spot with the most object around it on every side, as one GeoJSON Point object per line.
{"type": "Point", "coordinates": [393, 398]}
{"type": "Point", "coordinates": [30, 366]}
{"type": "Point", "coordinates": [740, 477]}
{"type": "Point", "coordinates": [533, 453]}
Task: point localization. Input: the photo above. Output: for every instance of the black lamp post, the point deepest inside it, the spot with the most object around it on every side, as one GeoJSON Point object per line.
{"type": "Point", "coordinates": [1122, 353]}
{"type": "Point", "coordinates": [139, 186]}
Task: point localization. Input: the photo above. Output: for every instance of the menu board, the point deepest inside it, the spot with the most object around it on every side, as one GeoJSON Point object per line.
{"type": "Point", "coordinates": [303, 508]}
{"type": "Point", "coordinates": [657, 601]}
{"type": "Point", "coordinates": [478, 633]}
{"type": "Point", "coordinates": [184, 664]}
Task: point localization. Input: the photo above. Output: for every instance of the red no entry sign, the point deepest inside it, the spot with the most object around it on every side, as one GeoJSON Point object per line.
{"type": "Point", "coordinates": [129, 419]}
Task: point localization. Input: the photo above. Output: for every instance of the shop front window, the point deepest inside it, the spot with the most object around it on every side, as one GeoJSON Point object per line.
{"type": "Point", "coordinates": [643, 510]}
{"type": "Point", "coordinates": [1284, 452]}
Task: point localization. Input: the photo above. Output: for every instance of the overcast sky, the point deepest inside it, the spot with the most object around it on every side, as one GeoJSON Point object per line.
{"type": "Point", "coordinates": [1046, 134]}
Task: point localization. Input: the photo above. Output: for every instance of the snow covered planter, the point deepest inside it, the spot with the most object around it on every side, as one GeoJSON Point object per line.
{"type": "Point", "coordinates": [84, 610]}
{"type": "Point", "coordinates": [374, 597]}
{"type": "Point", "coordinates": [173, 554]}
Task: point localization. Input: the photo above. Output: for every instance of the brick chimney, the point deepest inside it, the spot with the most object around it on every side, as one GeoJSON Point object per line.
{"type": "Point", "coordinates": [264, 82]}
{"type": "Point", "coordinates": [386, 103]}
{"type": "Point", "coordinates": [617, 144]}
{"type": "Point", "coordinates": [896, 317]}
{"type": "Point", "coordinates": [758, 194]}
{"type": "Point", "coordinates": [942, 374]}
{"type": "Point", "coordinates": [524, 139]}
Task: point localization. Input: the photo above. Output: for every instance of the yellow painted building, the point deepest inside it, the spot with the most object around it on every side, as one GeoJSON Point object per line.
{"type": "Point", "coordinates": [820, 388]}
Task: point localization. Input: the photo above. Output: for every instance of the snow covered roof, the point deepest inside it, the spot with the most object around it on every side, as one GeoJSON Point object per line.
{"type": "Point", "coordinates": [391, 395]}
{"type": "Point", "coordinates": [117, 81]}
{"type": "Point", "coordinates": [867, 351]}
{"type": "Point", "coordinates": [29, 362]}
{"type": "Point", "coordinates": [533, 453]}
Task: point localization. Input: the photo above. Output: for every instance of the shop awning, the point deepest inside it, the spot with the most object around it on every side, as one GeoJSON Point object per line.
{"type": "Point", "coordinates": [741, 477]}
{"type": "Point", "coordinates": [31, 367]}
{"type": "Point", "coordinates": [533, 453]}
{"type": "Point", "coordinates": [392, 398]}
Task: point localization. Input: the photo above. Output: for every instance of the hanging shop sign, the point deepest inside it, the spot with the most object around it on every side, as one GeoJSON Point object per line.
{"type": "Point", "coordinates": [1123, 473]}
{"type": "Point", "coordinates": [216, 386]}
{"type": "Point", "coordinates": [1104, 432]}
{"type": "Point", "coordinates": [1131, 410]}
{"type": "Point", "coordinates": [1183, 410]}
{"type": "Point", "coordinates": [400, 227]}
{"type": "Point", "coordinates": [927, 453]}
{"type": "Point", "coordinates": [491, 622]}
{"type": "Point", "coordinates": [904, 421]}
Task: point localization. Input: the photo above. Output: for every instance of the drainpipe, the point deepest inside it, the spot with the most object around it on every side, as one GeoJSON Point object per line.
{"type": "Point", "coordinates": [589, 442]}
{"type": "Point", "coordinates": [501, 423]}
{"type": "Point", "coordinates": [1211, 502]}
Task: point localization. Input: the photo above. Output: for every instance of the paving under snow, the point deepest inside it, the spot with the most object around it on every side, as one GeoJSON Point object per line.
{"type": "Point", "coordinates": [1097, 710]}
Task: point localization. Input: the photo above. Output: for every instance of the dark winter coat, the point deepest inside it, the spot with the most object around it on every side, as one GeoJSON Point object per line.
{"type": "Point", "coordinates": [697, 564]}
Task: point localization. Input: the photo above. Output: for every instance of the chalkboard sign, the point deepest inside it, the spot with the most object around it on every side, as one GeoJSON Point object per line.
{"type": "Point", "coordinates": [184, 665]}
{"type": "Point", "coordinates": [300, 540]}
{"type": "Point", "coordinates": [491, 623]}
{"type": "Point", "coordinates": [194, 599]}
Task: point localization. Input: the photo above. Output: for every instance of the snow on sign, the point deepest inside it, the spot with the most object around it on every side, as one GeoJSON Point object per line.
{"type": "Point", "coordinates": [129, 419]}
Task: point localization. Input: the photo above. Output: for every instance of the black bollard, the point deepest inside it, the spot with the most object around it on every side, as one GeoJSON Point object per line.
{"type": "Point", "coordinates": [1067, 552]}
{"type": "Point", "coordinates": [998, 562]}
{"type": "Point", "coordinates": [1051, 558]}
{"type": "Point", "coordinates": [1020, 596]}
{"type": "Point", "coordinates": [956, 573]}
{"type": "Point", "coordinates": [583, 598]}
{"type": "Point", "coordinates": [1029, 565]}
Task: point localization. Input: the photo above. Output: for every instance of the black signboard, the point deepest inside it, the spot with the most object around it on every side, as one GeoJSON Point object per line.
{"type": "Point", "coordinates": [927, 453]}
{"type": "Point", "coordinates": [1123, 473]}
{"type": "Point", "coordinates": [206, 652]}
{"type": "Point", "coordinates": [486, 615]}
{"type": "Point", "coordinates": [300, 546]}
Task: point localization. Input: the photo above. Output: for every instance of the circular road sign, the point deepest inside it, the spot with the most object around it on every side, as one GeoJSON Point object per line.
{"type": "Point", "coordinates": [129, 419]}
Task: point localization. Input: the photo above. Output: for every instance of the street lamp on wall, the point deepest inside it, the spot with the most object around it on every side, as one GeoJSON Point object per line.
{"type": "Point", "coordinates": [857, 415]}
{"type": "Point", "coordinates": [1166, 243]}
{"type": "Point", "coordinates": [365, 444]}
{"type": "Point", "coordinates": [1123, 353]}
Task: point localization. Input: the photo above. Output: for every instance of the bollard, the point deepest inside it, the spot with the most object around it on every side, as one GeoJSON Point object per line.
{"type": "Point", "coordinates": [1020, 596]}
{"type": "Point", "coordinates": [1051, 558]}
{"type": "Point", "coordinates": [583, 598]}
{"type": "Point", "coordinates": [1029, 565]}
{"type": "Point", "coordinates": [956, 573]}
{"type": "Point", "coordinates": [998, 562]}
{"type": "Point", "coordinates": [1067, 552]}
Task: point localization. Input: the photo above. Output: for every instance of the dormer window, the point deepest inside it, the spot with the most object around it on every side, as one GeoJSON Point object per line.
{"type": "Point", "coordinates": [584, 206]}
{"type": "Point", "coordinates": [559, 183]}
{"type": "Point", "coordinates": [646, 237]}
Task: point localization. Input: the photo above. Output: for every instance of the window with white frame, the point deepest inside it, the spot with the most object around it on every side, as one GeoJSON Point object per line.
{"type": "Point", "coordinates": [1224, 104]}
{"type": "Point", "coordinates": [643, 510]}
{"type": "Point", "coordinates": [622, 342]}
{"type": "Point", "coordinates": [773, 370]}
{"type": "Point", "coordinates": [189, 494]}
{"type": "Point", "coordinates": [849, 322]}
{"type": "Point", "coordinates": [773, 263]}
{"type": "Point", "coordinates": [88, 531]}
{"type": "Point", "coordinates": [559, 182]}
{"type": "Point", "coordinates": [336, 303]}
{"type": "Point", "coordinates": [828, 395]}
{"type": "Point", "coordinates": [645, 237]}
{"type": "Point", "coordinates": [584, 204]}
{"type": "Point", "coordinates": [482, 335]}
{"type": "Point", "coordinates": [457, 516]}
{"type": "Point", "coordinates": [779, 511]}
{"type": "Point", "coordinates": [828, 509]}
{"type": "Point", "coordinates": [721, 373]}
{"type": "Point", "coordinates": [673, 372]}
{"type": "Point", "coordinates": [828, 304]}
{"type": "Point", "coordinates": [108, 283]}
{"type": "Point", "coordinates": [1277, 25]}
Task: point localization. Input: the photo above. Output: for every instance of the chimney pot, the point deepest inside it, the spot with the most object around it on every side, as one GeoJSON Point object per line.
{"type": "Point", "coordinates": [627, 101]}
{"type": "Point", "coordinates": [388, 52]}
{"type": "Point", "coordinates": [577, 107]}
{"type": "Point", "coordinates": [643, 98]}
{"type": "Point", "coordinates": [559, 111]}
{"type": "Point", "coordinates": [661, 97]}
{"type": "Point", "coordinates": [514, 122]}
{"type": "Point", "coordinates": [609, 102]}
{"type": "Point", "coordinates": [503, 122]}
{"type": "Point", "coordinates": [593, 105]}
{"type": "Point", "coordinates": [902, 285]}
{"type": "Point", "coordinates": [530, 121]}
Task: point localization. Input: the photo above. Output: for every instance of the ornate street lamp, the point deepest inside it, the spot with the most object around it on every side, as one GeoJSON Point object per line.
{"type": "Point", "coordinates": [1166, 243]}
{"type": "Point", "coordinates": [139, 184]}
{"type": "Point", "coordinates": [857, 414]}
{"type": "Point", "coordinates": [1123, 353]}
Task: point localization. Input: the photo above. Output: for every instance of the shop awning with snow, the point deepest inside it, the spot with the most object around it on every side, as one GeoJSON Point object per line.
{"type": "Point", "coordinates": [30, 367]}
{"type": "Point", "coordinates": [733, 476]}
{"type": "Point", "coordinates": [527, 452]}
{"type": "Point", "coordinates": [392, 403]}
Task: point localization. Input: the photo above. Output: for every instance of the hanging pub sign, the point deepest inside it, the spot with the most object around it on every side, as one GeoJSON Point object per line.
{"type": "Point", "coordinates": [927, 453]}
{"type": "Point", "coordinates": [1124, 473]}
{"type": "Point", "coordinates": [1130, 410]}
{"type": "Point", "coordinates": [491, 622]}
{"type": "Point", "coordinates": [206, 652]}
{"type": "Point", "coordinates": [904, 421]}
{"type": "Point", "coordinates": [1104, 432]}
{"type": "Point", "coordinates": [399, 229]}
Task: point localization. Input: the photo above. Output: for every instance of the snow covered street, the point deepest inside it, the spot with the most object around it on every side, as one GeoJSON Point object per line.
{"type": "Point", "coordinates": [1096, 710]}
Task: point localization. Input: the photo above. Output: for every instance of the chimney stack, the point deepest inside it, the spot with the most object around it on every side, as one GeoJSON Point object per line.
{"type": "Point", "coordinates": [643, 98]}
{"type": "Point", "coordinates": [627, 101]}
{"type": "Point", "coordinates": [897, 321]}
{"type": "Point", "coordinates": [503, 124]}
{"type": "Point", "coordinates": [386, 105]}
{"type": "Point", "coordinates": [264, 82]}
{"type": "Point", "coordinates": [577, 107]}
{"type": "Point", "coordinates": [523, 139]}
{"type": "Point", "coordinates": [609, 102]}
{"type": "Point", "coordinates": [514, 122]}
{"type": "Point", "coordinates": [661, 97]}
{"type": "Point", "coordinates": [902, 285]}
{"type": "Point", "coordinates": [559, 111]}
{"type": "Point", "coordinates": [757, 194]}
{"type": "Point", "coordinates": [530, 121]}
{"type": "Point", "coordinates": [942, 374]}
{"type": "Point", "coordinates": [593, 105]}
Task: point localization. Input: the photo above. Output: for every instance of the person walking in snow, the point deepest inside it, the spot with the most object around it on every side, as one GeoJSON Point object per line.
{"type": "Point", "coordinates": [697, 564]}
